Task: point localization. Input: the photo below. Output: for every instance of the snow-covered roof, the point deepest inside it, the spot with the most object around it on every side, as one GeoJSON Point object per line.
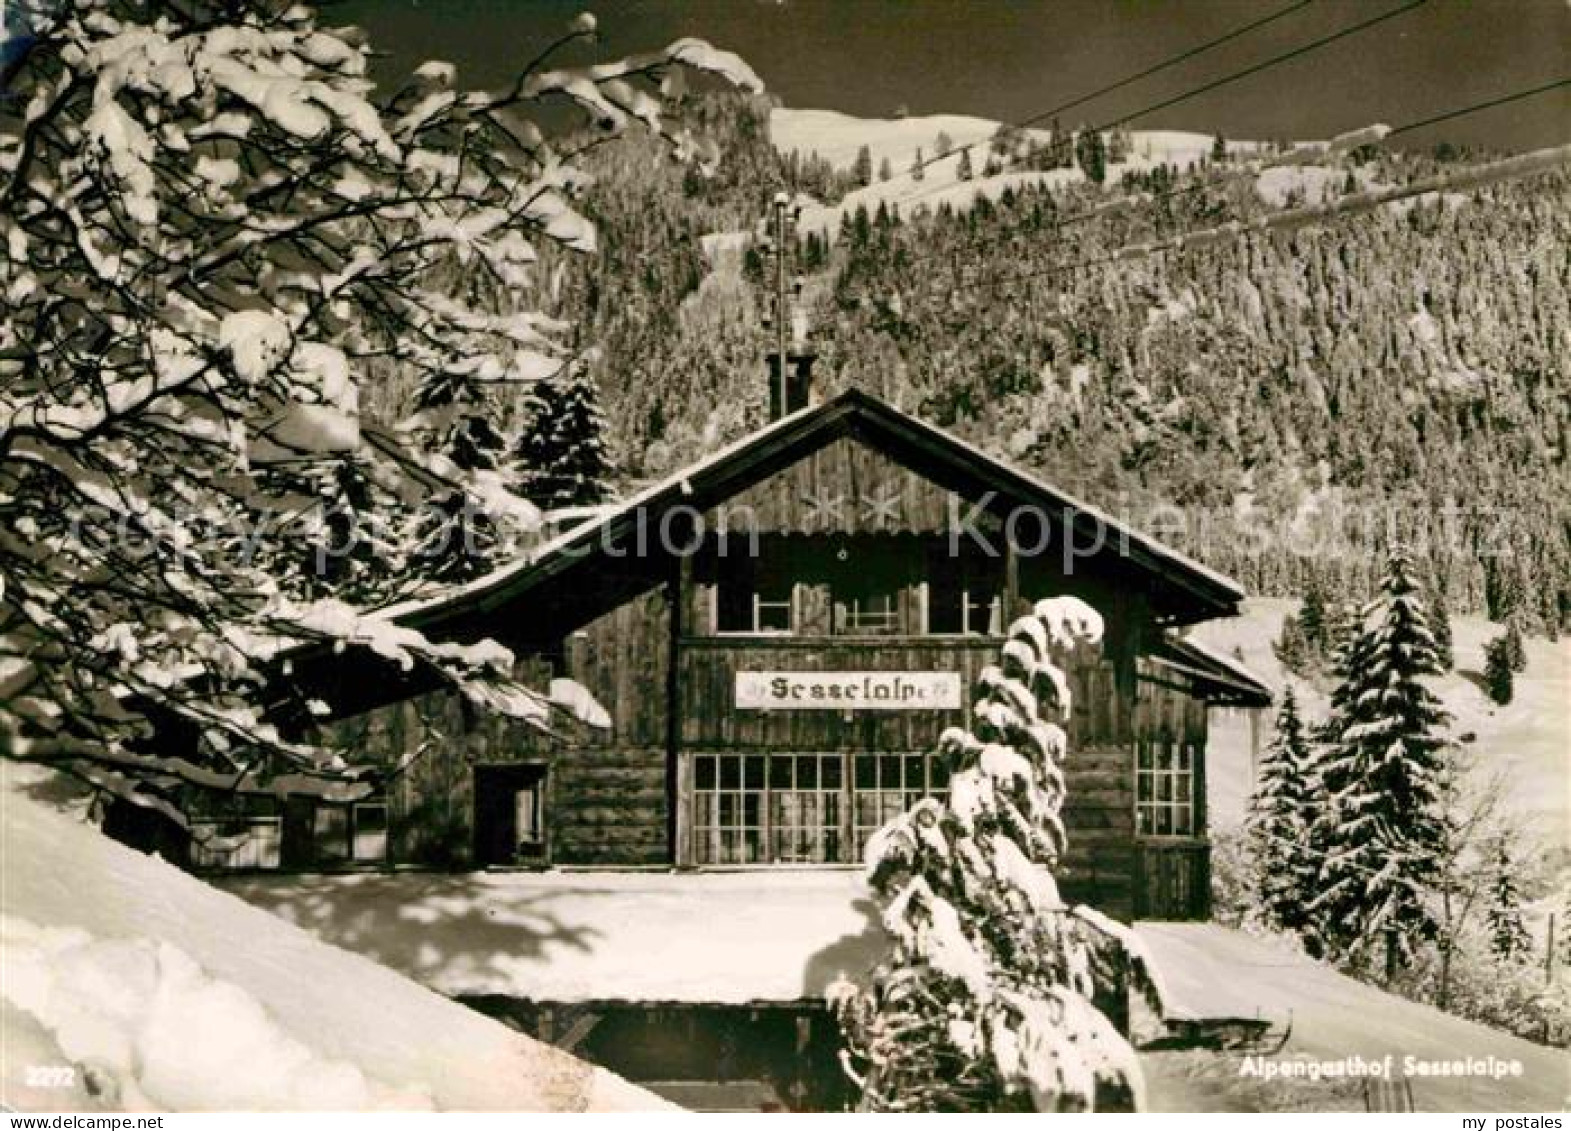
{"type": "Point", "coordinates": [1228, 679]}
{"type": "Point", "coordinates": [562, 936]}
{"type": "Point", "coordinates": [729, 469]}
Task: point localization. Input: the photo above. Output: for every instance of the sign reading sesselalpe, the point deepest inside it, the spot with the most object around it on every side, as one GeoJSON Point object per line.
{"type": "Point", "coordinates": [848, 691]}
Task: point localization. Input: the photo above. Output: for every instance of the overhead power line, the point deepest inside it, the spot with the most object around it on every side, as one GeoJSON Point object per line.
{"type": "Point", "coordinates": [1476, 176]}
{"type": "Point", "coordinates": [1232, 77]}
{"type": "Point", "coordinates": [1183, 57]}
{"type": "Point", "coordinates": [1128, 80]}
{"type": "Point", "coordinates": [1274, 61]}
{"type": "Point", "coordinates": [1303, 152]}
{"type": "Point", "coordinates": [1489, 104]}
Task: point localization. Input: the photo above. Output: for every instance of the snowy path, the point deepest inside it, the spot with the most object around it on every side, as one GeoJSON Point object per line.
{"type": "Point", "coordinates": [112, 960]}
{"type": "Point", "coordinates": [1211, 971]}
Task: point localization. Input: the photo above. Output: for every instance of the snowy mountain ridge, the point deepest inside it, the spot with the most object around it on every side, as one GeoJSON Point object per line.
{"type": "Point", "coordinates": [838, 139]}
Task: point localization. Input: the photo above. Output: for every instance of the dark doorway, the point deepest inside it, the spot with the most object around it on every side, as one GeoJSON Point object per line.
{"type": "Point", "coordinates": [510, 816]}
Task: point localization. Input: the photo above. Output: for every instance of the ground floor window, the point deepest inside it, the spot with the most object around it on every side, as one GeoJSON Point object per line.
{"type": "Point", "coordinates": [1165, 803]}
{"type": "Point", "coordinates": [350, 834]}
{"type": "Point", "coordinates": [238, 833]}
{"type": "Point", "coordinates": [801, 808]}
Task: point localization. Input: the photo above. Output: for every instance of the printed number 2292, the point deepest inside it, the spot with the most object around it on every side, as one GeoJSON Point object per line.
{"type": "Point", "coordinates": [51, 1076]}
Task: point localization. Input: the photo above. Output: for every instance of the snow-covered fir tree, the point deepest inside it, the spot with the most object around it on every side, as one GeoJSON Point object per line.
{"type": "Point", "coordinates": [1440, 625]}
{"type": "Point", "coordinates": [1508, 937]}
{"type": "Point", "coordinates": [985, 1002]}
{"type": "Point", "coordinates": [1382, 769]}
{"type": "Point", "coordinates": [561, 444]}
{"type": "Point", "coordinates": [1291, 647]}
{"type": "Point", "coordinates": [1312, 619]}
{"type": "Point", "coordinates": [1280, 813]}
{"type": "Point", "coordinates": [219, 233]}
{"type": "Point", "coordinates": [1516, 647]}
{"type": "Point", "coordinates": [1499, 678]}
{"type": "Point", "coordinates": [862, 167]}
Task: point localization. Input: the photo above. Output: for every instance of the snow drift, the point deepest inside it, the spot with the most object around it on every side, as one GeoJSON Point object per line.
{"type": "Point", "coordinates": [127, 984]}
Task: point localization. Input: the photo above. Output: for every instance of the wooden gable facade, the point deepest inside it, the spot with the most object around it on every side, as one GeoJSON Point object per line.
{"type": "Point", "coordinates": [779, 636]}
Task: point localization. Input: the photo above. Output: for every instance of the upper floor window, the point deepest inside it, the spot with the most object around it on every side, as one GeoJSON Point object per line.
{"type": "Point", "coordinates": [863, 586]}
{"type": "Point", "coordinates": [754, 594]}
{"type": "Point", "coordinates": [964, 594]}
{"type": "Point", "coordinates": [872, 586]}
{"type": "Point", "coordinates": [867, 611]}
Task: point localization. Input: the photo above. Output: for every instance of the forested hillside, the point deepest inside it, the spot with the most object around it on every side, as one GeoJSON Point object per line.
{"type": "Point", "coordinates": [1305, 398]}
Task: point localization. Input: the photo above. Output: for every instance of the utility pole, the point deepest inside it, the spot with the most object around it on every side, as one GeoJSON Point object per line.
{"type": "Point", "coordinates": [780, 313]}
{"type": "Point", "coordinates": [781, 227]}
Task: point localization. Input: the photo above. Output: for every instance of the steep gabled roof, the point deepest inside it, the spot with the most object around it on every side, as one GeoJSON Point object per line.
{"type": "Point", "coordinates": [1192, 591]}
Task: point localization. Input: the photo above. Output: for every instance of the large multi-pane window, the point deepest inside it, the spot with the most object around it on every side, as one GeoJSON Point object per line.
{"type": "Point", "coordinates": [818, 808]}
{"type": "Point", "coordinates": [887, 785]}
{"type": "Point", "coordinates": [1165, 787]}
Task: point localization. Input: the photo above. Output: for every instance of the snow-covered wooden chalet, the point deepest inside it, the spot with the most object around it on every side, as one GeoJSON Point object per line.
{"type": "Point", "coordinates": [779, 634]}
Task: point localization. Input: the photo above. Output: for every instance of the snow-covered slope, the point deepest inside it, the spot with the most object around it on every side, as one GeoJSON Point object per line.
{"type": "Point", "coordinates": [1525, 742]}
{"type": "Point", "coordinates": [838, 137]}
{"type": "Point", "coordinates": [128, 984]}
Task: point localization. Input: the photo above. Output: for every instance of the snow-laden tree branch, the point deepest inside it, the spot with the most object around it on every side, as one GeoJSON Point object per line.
{"type": "Point", "coordinates": [986, 1001]}
{"type": "Point", "coordinates": [217, 234]}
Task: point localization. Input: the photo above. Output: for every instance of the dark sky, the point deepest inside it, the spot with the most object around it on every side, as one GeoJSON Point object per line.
{"type": "Point", "coordinates": [1011, 60]}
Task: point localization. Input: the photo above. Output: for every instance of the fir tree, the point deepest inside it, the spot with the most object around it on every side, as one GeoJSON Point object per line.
{"type": "Point", "coordinates": [1498, 679]}
{"type": "Point", "coordinates": [561, 447]}
{"type": "Point", "coordinates": [1091, 151]}
{"type": "Point", "coordinates": [1508, 937]}
{"type": "Point", "coordinates": [1219, 150]}
{"type": "Point", "coordinates": [1291, 647]}
{"type": "Point", "coordinates": [862, 168]}
{"type": "Point", "coordinates": [1440, 624]}
{"type": "Point", "coordinates": [884, 171]}
{"type": "Point", "coordinates": [1061, 146]}
{"type": "Point", "coordinates": [918, 166]}
{"type": "Point", "coordinates": [1279, 818]}
{"type": "Point", "coordinates": [963, 170]}
{"type": "Point", "coordinates": [1382, 768]}
{"type": "Point", "coordinates": [1312, 620]}
{"type": "Point", "coordinates": [985, 1002]}
{"type": "Point", "coordinates": [1516, 648]}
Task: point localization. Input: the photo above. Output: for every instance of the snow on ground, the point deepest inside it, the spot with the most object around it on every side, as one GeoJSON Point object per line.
{"type": "Point", "coordinates": [1525, 741]}
{"type": "Point", "coordinates": [1212, 971]}
{"type": "Point", "coordinates": [140, 987]}
{"type": "Point", "coordinates": [1319, 184]}
{"type": "Point", "coordinates": [838, 137]}
{"type": "Point", "coordinates": [704, 938]}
